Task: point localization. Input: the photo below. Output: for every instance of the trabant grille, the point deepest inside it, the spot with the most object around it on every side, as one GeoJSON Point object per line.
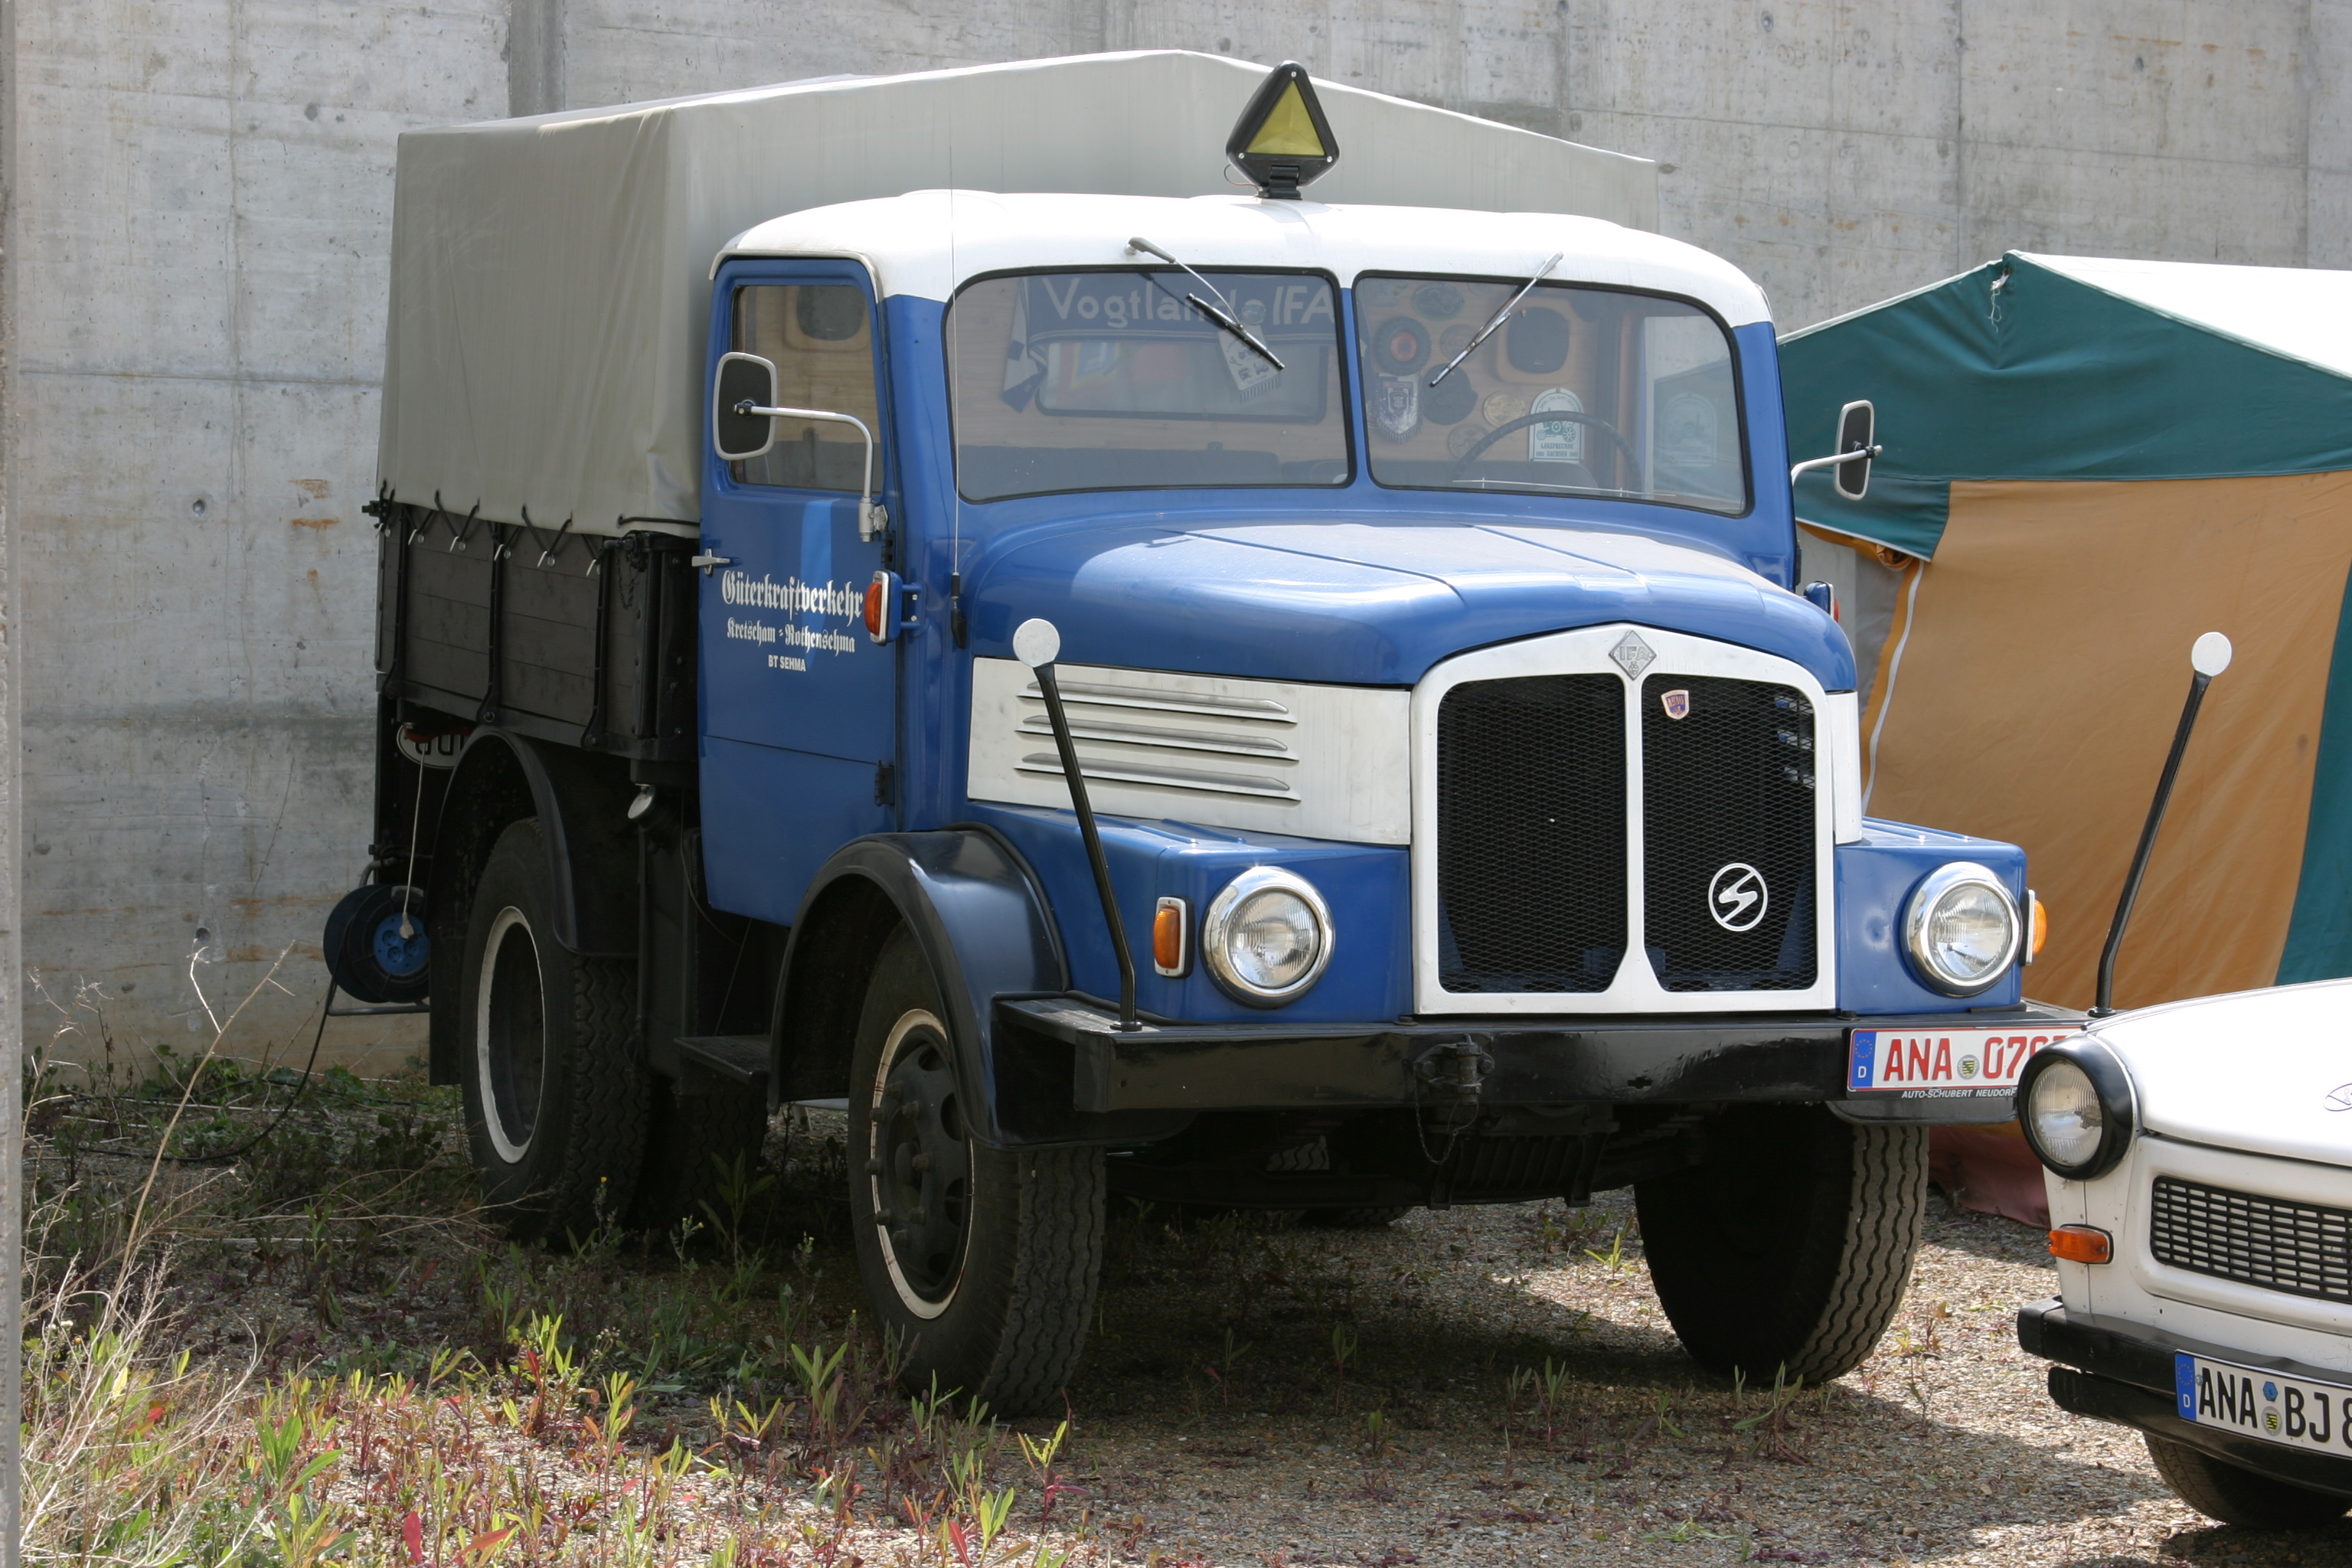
{"type": "Point", "coordinates": [1727, 826]}
{"type": "Point", "coordinates": [2302, 1249]}
{"type": "Point", "coordinates": [1531, 882]}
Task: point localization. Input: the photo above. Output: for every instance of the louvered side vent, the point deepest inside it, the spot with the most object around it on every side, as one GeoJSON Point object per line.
{"type": "Point", "coordinates": [1236, 746]}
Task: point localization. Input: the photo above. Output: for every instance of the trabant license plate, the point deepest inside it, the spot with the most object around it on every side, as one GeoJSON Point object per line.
{"type": "Point", "coordinates": [1967, 1062]}
{"type": "Point", "coordinates": [2294, 1412]}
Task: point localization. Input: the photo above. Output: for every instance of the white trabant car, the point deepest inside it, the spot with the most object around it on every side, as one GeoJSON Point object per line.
{"type": "Point", "coordinates": [2199, 1169]}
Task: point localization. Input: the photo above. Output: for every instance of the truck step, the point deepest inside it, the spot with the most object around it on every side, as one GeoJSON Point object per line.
{"type": "Point", "coordinates": [737, 1059]}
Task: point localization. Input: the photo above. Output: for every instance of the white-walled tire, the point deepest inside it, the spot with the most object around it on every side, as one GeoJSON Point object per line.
{"type": "Point", "coordinates": [555, 1093]}
{"type": "Point", "coordinates": [982, 1263]}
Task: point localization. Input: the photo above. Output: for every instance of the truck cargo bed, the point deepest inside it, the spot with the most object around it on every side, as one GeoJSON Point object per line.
{"type": "Point", "coordinates": [584, 641]}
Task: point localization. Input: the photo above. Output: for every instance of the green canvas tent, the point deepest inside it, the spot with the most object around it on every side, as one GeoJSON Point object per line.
{"type": "Point", "coordinates": [2087, 463]}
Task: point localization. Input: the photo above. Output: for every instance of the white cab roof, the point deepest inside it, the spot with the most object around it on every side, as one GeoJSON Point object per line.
{"type": "Point", "coordinates": [926, 243]}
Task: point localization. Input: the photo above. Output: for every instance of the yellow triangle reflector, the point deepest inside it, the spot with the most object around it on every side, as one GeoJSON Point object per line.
{"type": "Point", "coordinates": [1289, 131]}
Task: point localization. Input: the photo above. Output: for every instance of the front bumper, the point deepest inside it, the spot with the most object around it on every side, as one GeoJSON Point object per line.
{"type": "Point", "coordinates": [2125, 1374]}
{"type": "Point", "coordinates": [1168, 1067]}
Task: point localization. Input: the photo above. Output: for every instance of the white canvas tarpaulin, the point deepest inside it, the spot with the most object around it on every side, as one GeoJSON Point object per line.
{"type": "Point", "coordinates": [551, 277]}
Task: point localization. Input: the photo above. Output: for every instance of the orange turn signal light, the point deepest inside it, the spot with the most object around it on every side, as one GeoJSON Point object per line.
{"type": "Point", "coordinates": [1171, 930]}
{"type": "Point", "coordinates": [2041, 932]}
{"type": "Point", "coordinates": [874, 597]}
{"type": "Point", "coordinates": [2081, 1244]}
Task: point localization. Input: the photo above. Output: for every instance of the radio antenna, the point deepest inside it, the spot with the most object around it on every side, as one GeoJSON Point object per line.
{"type": "Point", "coordinates": [955, 407]}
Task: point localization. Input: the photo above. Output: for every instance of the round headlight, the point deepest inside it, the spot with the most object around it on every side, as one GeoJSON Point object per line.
{"type": "Point", "coordinates": [2074, 1102]}
{"type": "Point", "coordinates": [1961, 927]}
{"type": "Point", "coordinates": [1267, 936]}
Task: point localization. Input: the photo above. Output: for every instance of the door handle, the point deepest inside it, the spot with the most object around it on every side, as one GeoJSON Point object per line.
{"type": "Point", "coordinates": [707, 561]}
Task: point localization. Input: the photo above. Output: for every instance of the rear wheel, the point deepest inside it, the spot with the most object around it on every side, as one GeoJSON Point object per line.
{"type": "Point", "coordinates": [555, 1096]}
{"type": "Point", "coordinates": [982, 1262]}
{"type": "Point", "coordinates": [2234, 1495]}
{"type": "Point", "coordinates": [1789, 1245]}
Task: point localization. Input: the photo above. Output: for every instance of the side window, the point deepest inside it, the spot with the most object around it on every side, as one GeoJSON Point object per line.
{"type": "Point", "coordinates": [819, 336]}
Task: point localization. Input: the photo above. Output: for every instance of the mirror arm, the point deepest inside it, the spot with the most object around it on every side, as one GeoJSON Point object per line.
{"type": "Point", "coordinates": [872, 516]}
{"type": "Point", "coordinates": [1839, 461]}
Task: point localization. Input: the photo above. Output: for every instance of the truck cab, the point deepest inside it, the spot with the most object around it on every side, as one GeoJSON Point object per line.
{"type": "Point", "coordinates": [1235, 701]}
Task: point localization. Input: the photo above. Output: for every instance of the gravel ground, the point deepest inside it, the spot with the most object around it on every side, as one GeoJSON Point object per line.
{"type": "Point", "coordinates": [1260, 1450]}
{"type": "Point", "coordinates": [1476, 1385]}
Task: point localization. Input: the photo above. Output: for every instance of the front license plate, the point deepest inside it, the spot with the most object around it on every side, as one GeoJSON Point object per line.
{"type": "Point", "coordinates": [1943, 1063]}
{"type": "Point", "coordinates": [2292, 1410]}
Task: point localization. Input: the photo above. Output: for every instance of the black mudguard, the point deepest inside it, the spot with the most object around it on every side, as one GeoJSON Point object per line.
{"type": "Point", "coordinates": [582, 802]}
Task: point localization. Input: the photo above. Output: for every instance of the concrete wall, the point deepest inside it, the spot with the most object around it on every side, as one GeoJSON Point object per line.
{"type": "Point", "coordinates": [200, 216]}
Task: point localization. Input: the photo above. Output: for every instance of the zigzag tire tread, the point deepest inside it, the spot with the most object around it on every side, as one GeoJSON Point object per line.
{"type": "Point", "coordinates": [1055, 1279]}
{"type": "Point", "coordinates": [606, 1137]}
{"type": "Point", "coordinates": [1886, 1215]}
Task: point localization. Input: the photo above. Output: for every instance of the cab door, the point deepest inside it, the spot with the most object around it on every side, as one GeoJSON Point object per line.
{"type": "Point", "coordinates": [799, 707]}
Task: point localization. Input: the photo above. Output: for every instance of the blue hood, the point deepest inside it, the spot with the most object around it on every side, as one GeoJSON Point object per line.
{"type": "Point", "coordinates": [1369, 603]}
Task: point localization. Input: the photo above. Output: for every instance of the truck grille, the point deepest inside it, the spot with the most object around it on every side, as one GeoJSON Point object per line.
{"type": "Point", "coordinates": [1532, 834]}
{"type": "Point", "coordinates": [1728, 828]}
{"type": "Point", "coordinates": [2302, 1249]}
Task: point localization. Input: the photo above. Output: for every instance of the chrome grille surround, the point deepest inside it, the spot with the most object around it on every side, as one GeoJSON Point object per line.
{"type": "Point", "coordinates": [1635, 986]}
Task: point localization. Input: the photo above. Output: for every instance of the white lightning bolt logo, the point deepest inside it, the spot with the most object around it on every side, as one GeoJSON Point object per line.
{"type": "Point", "coordinates": [1737, 898]}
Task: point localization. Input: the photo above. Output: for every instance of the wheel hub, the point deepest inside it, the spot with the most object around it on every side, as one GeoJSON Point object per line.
{"type": "Point", "coordinates": [920, 1165]}
{"type": "Point", "coordinates": [510, 1035]}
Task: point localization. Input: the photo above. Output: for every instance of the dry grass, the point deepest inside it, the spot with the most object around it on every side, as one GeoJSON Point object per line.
{"type": "Point", "coordinates": [321, 1354]}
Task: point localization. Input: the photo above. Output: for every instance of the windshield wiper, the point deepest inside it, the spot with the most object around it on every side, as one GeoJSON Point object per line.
{"type": "Point", "coordinates": [1500, 317]}
{"type": "Point", "coordinates": [1223, 317]}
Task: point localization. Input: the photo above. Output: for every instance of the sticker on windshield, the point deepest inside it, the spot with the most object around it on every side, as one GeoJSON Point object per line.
{"type": "Point", "coordinates": [1250, 370]}
{"type": "Point", "coordinates": [1558, 443]}
{"type": "Point", "coordinates": [1396, 406]}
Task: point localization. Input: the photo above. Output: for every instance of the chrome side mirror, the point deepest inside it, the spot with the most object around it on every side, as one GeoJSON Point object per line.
{"type": "Point", "coordinates": [1857, 444]}
{"type": "Point", "coordinates": [741, 427]}
{"type": "Point", "coordinates": [743, 415]}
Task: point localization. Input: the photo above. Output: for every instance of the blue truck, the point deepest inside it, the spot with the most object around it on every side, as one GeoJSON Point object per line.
{"type": "Point", "coordinates": [1234, 700]}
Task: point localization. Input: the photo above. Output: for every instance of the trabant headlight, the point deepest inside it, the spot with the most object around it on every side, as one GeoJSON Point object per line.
{"type": "Point", "coordinates": [1961, 929]}
{"type": "Point", "coordinates": [2076, 1103]}
{"type": "Point", "coordinates": [1267, 937]}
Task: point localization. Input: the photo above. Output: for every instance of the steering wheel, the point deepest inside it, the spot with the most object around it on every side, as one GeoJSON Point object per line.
{"type": "Point", "coordinates": [1549, 416]}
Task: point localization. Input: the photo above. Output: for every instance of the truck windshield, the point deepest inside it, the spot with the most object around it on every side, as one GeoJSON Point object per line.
{"type": "Point", "coordinates": [1101, 381]}
{"type": "Point", "coordinates": [1638, 390]}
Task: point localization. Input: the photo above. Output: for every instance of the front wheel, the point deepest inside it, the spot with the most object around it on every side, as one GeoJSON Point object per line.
{"type": "Point", "coordinates": [1789, 1245]}
{"type": "Point", "coordinates": [982, 1263]}
{"type": "Point", "coordinates": [555, 1093]}
{"type": "Point", "coordinates": [2234, 1495]}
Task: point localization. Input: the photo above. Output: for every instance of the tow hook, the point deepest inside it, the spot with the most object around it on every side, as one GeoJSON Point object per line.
{"type": "Point", "coordinates": [1458, 1068]}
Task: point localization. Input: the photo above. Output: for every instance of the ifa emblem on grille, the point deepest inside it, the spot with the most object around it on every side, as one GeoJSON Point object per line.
{"type": "Point", "coordinates": [1632, 656]}
{"type": "Point", "coordinates": [2339, 1098]}
{"type": "Point", "coordinates": [1676, 703]}
{"type": "Point", "coordinates": [1737, 897]}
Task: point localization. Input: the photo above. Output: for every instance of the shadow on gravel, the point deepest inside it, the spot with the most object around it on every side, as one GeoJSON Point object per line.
{"type": "Point", "coordinates": [1989, 1236]}
{"type": "Point", "coordinates": [2329, 1548]}
{"type": "Point", "coordinates": [1499, 1372]}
